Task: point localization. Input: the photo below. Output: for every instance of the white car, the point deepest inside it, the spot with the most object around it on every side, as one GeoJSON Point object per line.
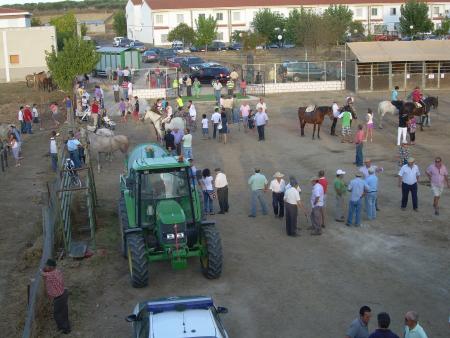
{"type": "Point", "coordinates": [116, 41]}
{"type": "Point", "coordinates": [178, 317]}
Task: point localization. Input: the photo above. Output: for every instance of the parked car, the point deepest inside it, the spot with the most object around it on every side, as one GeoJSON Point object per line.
{"type": "Point", "coordinates": [174, 62]}
{"type": "Point", "coordinates": [125, 42]}
{"type": "Point", "coordinates": [288, 45]}
{"type": "Point", "coordinates": [149, 56]}
{"type": "Point", "coordinates": [298, 71]}
{"type": "Point", "coordinates": [217, 46]}
{"type": "Point", "coordinates": [235, 46]}
{"type": "Point", "coordinates": [207, 74]}
{"type": "Point", "coordinates": [170, 317]}
{"type": "Point", "coordinates": [199, 66]}
{"type": "Point", "coordinates": [190, 60]}
{"type": "Point", "coordinates": [157, 50]}
{"type": "Point", "coordinates": [116, 41]}
{"type": "Point", "coordinates": [165, 54]}
{"type": "Point", "coordinates": [136, 44]}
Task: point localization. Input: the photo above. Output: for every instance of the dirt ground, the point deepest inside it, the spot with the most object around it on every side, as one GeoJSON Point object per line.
{"type": "Point", "coordinates": [273, 285]}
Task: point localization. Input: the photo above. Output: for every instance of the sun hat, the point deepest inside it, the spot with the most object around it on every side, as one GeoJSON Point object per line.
{"type": "Point", "coordinates": [278, 175]}
{"type": "Point", "coordinates": [358, 174]}
{"type": "Point", "coordinates": [411, 160]}
{"type": "Point", "coordinates": [371, 170]}
{"type": "Point", "coordinates": [340, 172]}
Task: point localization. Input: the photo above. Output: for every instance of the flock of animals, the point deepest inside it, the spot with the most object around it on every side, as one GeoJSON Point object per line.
{"type": "Point", "coordinates": [42, 81]}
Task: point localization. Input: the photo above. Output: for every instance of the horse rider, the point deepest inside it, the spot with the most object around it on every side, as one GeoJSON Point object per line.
{"type": "Point", "coordinates": [168, 117]}
{"type": "Point", "coordinates": [394, 98]}
{"type": "Point", "coordinates": [417, 97]}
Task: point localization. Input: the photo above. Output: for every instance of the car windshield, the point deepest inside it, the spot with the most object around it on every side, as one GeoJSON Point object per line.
{"type": "Point", "coordinates": [165, 185]}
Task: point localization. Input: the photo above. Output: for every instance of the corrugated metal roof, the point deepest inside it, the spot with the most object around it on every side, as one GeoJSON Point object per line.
{"type": "Point", "coordinates": [386, 51]}
{"type": "Point", "coordinates": [112, 49]}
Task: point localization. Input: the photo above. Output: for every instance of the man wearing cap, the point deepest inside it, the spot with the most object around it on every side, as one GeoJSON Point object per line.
{"type": "Point", "coordinates": [278, 186]}
{"type": "Point", "coordinates": [365, 171]}
{"type": "Point", "coordinates": [438, 175]}
{"type": "Point", "coordinates": [292, 202]}
{"type": "Point", "coordinates": [358, 187]}
{"type": "Point", "coordinates": [316, 206]}
{"type": "Point", "coordinates": [407, 180]}
{"type": "Point", "coordinates": [54, 284]}
{"type": "Point", "coordinates": [371, 195]}
{"type": "Point", "coordinates": [412, 327]}
{"type": "Point", "coordinates": [340, 188]}
{"type": "Point", "coordinates": [258, 185]}
{"type": "Point", "coordinates": [73, 146]}
{"type": "Point", "coordinates": [221, 185]}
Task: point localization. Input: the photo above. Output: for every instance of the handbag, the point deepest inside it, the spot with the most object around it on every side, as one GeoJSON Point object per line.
{"type": "Point", "coordinates": [219, 127]}
{"type": "Point", "coordinates": [212, 195]}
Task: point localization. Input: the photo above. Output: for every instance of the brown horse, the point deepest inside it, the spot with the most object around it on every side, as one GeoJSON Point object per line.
{"type": "Point", "coordinates": [428, 103]}
{"type": "Point", "coordinates": [315, 117]}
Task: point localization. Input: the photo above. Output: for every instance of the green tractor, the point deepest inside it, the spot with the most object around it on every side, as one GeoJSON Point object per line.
{"type": "Point", "coordinates": [161, 216]}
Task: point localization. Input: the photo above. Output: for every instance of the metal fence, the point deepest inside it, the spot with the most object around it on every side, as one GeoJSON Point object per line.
{"type": "Point", "coordinates": [156, 78]}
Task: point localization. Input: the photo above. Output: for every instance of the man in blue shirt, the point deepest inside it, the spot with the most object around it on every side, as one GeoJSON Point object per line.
{"type": "Point", "coordinates": [357, 188]}
{"type": "Point", "coordinates": [72, 146]}
{"type": "Point", "coordinates": [384, 320]}
{"type": "Point", "coordinates": [371, 195]}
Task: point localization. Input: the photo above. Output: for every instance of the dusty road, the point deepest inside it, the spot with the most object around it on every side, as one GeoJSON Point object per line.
{"type": "Point", "coordinates": [273, 285]}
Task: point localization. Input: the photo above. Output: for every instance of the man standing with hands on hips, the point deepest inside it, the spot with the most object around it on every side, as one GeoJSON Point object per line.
{"type": "Point", "coordinates": [407, 180]}
{"type": "Point", "coordinates": [261, 120]}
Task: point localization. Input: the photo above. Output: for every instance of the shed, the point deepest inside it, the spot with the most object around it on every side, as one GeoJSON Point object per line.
{"type": "Point", "coordinates": [117, 57]}
{"type": "Point", "coordinates": [381, 65]}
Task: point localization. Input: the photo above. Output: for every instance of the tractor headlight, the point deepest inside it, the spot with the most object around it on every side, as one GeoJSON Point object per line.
{"type": "Point", "coordinates": [170, 236]}
{"type": "Point", "coordinates": [180, 235]}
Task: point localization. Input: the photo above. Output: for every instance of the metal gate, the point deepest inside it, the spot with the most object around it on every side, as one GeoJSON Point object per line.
{"type": "Point", "coordinates": [256, 80]}
{"type": "Point", "coordinates": [156, 78]}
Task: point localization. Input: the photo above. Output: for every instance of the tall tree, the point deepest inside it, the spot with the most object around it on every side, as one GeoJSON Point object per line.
{"type": "Point", "coordinates": [77, 57]}
{"type": "Point", "coordinates": [292, 22]}
{"type": "Point", "coordinates": [414, 18]}
{"type": "Point", "coordinates": [338, 19]}
{"type": "Point", "coordinates": [66, 27]}
{"type": "Point", "coordinates": [206, 31]}
{"type": "Point", "coordinates": [268, 24]}
{"type": "Point", "coordinates": [445, 27]}
{"type": "Point", "coordinates": [310, 30]}
{"type": "Point", "coordinates": [182, 32]}
{"type": "Point", "coordinates": [120, 23]}
{"type": "Point", "coordinates": [250, 40]}
{"type": "Point", "coordinates": [236, 36]}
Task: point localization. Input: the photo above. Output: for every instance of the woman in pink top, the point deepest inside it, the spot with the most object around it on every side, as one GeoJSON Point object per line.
{"type": "Point", "coordinates": [359, 139]}
{"type": "Point", "coordinates": [438, 175]}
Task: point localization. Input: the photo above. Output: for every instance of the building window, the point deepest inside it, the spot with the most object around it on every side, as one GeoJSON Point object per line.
{"type": "Point", "coordinates": [359, 12]}
{"type": "Point", "coordinates": [163, 38]}
{"type": "Point", "coordinates": [374, 11]}
{"type": "Point", "coordinates": [14, 59]}
{"type": "Point", "coordinates": [159, 19]}
{"type": "Point", "coordinates": [236, 16]}
{"type": "Point", "coordinates": [219, 36]}
{"type": "Point", "coordinates": [436, 11]}
{"type": "Point", "coordinates": [393, 11]}
{"type": "Point", "coordinates": [180, 18]}
{"type": "Point", "coordinates": [201, 16]}
{"type": "Point", "coordinates": [219, 16]}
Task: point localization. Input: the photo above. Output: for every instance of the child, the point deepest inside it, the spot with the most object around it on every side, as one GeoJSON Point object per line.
{"type": "Point", "coordinates": [369, 126]}
{"type": "Point", "coordinates": [403, 154]}
{"type": "Point", "coordinates": [412, 125]}
{"type": "Point", "coordinates": [129, 106]}
{"type": "Point", "coordinates": [251, 119]}
{"type": "Point", "coordinates": [136, 109]}
{"type": "Point", "coordinates": [243, 87]}
{"type": "Point", "coordinates": [36, 118]}
{"type": "Point", "coordinates": [122, 109]}
{"type": "Point", "coordinates": [205, 131]}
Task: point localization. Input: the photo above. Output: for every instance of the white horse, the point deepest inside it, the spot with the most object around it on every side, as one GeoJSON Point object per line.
{"type": "Point", "coordinates": [106, 144]}
{"type": "Point", "coordinates": [385, 107]}
{"type": "Point", "coordinates": [156, 120]}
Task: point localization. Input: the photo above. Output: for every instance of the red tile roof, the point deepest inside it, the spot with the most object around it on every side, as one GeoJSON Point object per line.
{"type": "Point", "coordinates": [188, 4]}
{"type": "Point", "coordinates": [5, 11]}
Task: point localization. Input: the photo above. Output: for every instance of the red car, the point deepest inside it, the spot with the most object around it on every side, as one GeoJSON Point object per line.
{"type": "Point", "coordinates": [174, 62]}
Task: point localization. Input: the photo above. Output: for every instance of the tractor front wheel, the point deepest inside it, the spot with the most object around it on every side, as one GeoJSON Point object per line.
{"type": "Point", "coordinates": [137, 260]}
{"type": "Point", "coordinates": [211, 261]}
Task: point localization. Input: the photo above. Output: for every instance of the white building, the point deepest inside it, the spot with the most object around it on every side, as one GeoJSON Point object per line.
{"type": "Point", "coordinates": [14, 18]}
{"type": "Point", "coordinates": [151, 20]}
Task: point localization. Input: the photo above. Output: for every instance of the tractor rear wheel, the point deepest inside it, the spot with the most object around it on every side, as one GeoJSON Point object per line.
{"type": "Point", "coordinates": [211, 262]}
{"type": "Point", "coordinates": [137, 260]}
{"type": "Point", "coordinates": [123, 223]}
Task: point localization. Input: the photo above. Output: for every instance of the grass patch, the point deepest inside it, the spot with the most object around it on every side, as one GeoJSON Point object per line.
{"type": "Point", "coordinates": [210, 98]}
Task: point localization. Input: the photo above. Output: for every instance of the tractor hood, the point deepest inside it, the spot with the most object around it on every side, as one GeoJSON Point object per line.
{"type": "Point", "coordinates": [170, 212]}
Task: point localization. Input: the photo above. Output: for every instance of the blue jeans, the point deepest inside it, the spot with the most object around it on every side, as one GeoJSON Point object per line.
{"type": "Point", "coordinates": [28, 128]}
{"type": "Point", "coordinates": [217, 95]}
{"type": "Point", "coordinates": [54, 158]}
{"type": "Point", "coordinates": [75, 157]}
{"type": "Point", "coordinates": [235, 115]}
{"type": "Point", "coordinates": [187, 151]}
{"type": "Point", "coordinates": [359, 155]}
{"type": "Point", "coordinates": [258, 195]}
{"type": "Point", "coordinates": [125, 93]}
{"type": "Point", "coordinates": [207, 201]}
{"type": "Point", "coordinates": [354, 207]}
{"type": "Point", "coordinates": [371, 210]}
{"type": "Point", "coordinates": [205, 131]}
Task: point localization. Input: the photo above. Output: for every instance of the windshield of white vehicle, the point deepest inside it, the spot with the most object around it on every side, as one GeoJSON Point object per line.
{"type": "Point", "coordinates": [165, 185]}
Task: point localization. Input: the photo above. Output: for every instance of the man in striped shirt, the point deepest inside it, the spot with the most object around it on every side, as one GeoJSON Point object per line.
{"type": "Point", "coordinates": [54, 284]}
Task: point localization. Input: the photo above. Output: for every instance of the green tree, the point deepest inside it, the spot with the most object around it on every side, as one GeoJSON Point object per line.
{"type": "Point", "coordinates": [338, 19]}
{"type": "Point", "coordinates": [291, 26]}
{"type": "Point", "coordinates": [77, 57]}
{"type": "Point", "coordinates": [120, 23]}
{"type": "Point", "coordinates": [414, 18]}
{"type": "Point", "coordinates": [236, 36]}
{"type": "Point", "coordinates": [356, 28]}
{"type": "Point", "coordinates": [182, 32]}
{"type": "Point", "coordinates": [83, 29]}
{"type": "Point", "coordinates": [311, 30]}
{"type": "Point", "coordinates": [445, 27]}
{"type": "Point", "coordinates": [36, 22]}
{"type": "Point", "coordinates": [66, 27]}
{"type": "Point", "coordinates": [266, 23]}
{"type": "Point", "coordinates": [250, 40]}
{"type": "Point", "coordinates": [206, 31]}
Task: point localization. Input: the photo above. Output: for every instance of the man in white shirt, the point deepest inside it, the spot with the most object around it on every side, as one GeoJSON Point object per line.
{"type": "Point", "coordinates": [292, 203]}
{"type": "Point", "coordinates": [261, 104]}
{"type": "Point", "coordinates": [316, 206]}
{"type": "Point", "coordinates": [192, 111]}
{"type": "Point", "coordinates": [126, 74]}
{"type": "Point", "coordinates": [217, 90]}
{"type": "Point", "coordinates": [278, 186]}
{"type": "Point", "coordinates": [215, 118]}
{"type": "Point", "coordinates": [54, 151]}
{"type": "Point", "coordinates": [407, 180]}
{"type": "Point", "coordinates": [261, 119]}
{"type": "Point", "coordinates": [221, 185]}
{"type": "Point", "coordinates": [20, 118]}
{"type": "Point", "coordinates": [336, 113]}
{"type": "Point", "coordinates": [245, 111]}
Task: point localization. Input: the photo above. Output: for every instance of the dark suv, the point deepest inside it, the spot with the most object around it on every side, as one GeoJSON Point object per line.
{"type": "Point", "coordinates": [207, 74]}
{"type": "Point", "coordinates": [298, 71]}
{"type": "Point", "coordinates": [188, 61]}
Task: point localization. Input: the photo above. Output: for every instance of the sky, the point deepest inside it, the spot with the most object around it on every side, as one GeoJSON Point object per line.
{"type": "Point", "coordinates": [13, 2]}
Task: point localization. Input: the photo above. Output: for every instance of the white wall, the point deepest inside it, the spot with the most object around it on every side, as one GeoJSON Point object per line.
{"type": "Point", "coordinates": [6, 22]}
{"type": "Point", "coordinates": [139, 22]}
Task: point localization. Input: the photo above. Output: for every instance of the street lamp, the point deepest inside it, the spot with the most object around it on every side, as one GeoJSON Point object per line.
{"type": "Point", "coordinates": [411, 30]}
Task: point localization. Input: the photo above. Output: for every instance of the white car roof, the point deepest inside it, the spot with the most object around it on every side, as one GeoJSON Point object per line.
{"type": "Point", "coordinates": [197, 323]}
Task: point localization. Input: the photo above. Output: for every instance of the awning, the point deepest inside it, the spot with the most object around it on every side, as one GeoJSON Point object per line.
{"type": "Point", "coordinates": [400, 51]}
